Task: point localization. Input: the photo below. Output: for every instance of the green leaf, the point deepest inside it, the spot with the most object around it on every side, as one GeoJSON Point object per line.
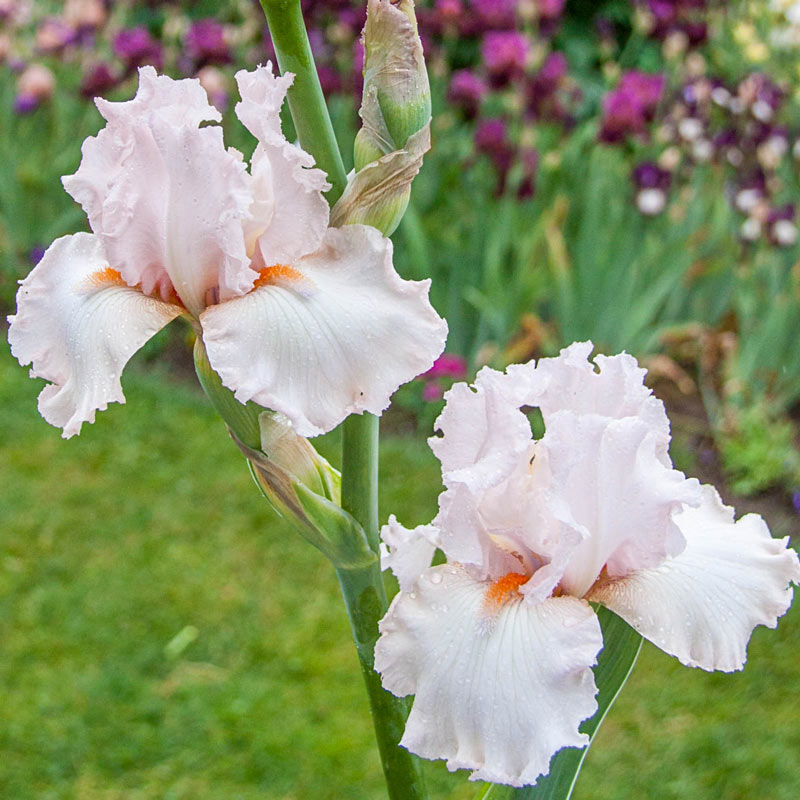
{"type": "Point", "coordinates": [621, 645]}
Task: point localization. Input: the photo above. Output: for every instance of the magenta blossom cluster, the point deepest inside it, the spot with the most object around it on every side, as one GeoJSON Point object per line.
{"type": "Point", "coordinates": [629, 109]}
{"type": "Point", "coordinates": [449, 367]}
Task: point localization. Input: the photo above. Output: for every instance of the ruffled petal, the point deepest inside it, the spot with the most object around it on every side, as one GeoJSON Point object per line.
{"type": "Point", "coordinates": [498, 689]}
{"type": "Point", "coordinates": [294, 223]}
{"type": "Point", "coordinates": [702, 605]}
{"type": "Point", "coordinates": [608, 476]}
{"type": "Point", "coordinates": [484, 434]}
{"type": "Point", "coordinates": [78, 324]}
{"type": "Point", "coordinates": [407, 552]}
{"type": "Point", "coordinates": [570, 382]}
{"type": "Point", "coordinates": [333, 335]}
{"type": "Point", "coordinates": [144, 183]}
{"type": "Point", "coordinates": [181, 103]}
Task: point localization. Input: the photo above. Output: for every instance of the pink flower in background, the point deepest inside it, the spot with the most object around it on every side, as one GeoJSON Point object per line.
{"type": "Point", "coordinates": [498, 644]}
{"type": "Point", "coordinates": [505, 53]}
{"type": "Point", "coordinates": [301, 318]}
{"type": "Point", "coordinates": [448, 365]}
{"type": "Point", "coordinates": [628, 108]}
{"type": "Point", "coordinates": [445, 369]}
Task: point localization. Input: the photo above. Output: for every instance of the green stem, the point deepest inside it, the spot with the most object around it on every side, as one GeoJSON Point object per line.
{"type": "Point", "coordinates": [360, 472]}
{"type": "Point", "coordinates": [365, 599]}
{"type": "Point", "coordinates": [362, 588]}
{"type": "Point", "coordinates": [306, 101]}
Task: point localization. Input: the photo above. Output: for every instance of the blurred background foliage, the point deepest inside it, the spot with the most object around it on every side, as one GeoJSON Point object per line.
{"type": "Point", "coordinates": [625, 171]}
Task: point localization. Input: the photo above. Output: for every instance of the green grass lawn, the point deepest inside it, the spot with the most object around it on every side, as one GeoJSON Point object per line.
{"type": "Point", "coordinates": [163, 635]}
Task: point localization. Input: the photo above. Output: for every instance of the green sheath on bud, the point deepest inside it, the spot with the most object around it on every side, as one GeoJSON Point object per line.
{"type": "Point", "coordinates": [395, 113]}
{"type": "Point", "coordinates": [396, 102]}
{"type": "Point", "coordinates": [304, 489]}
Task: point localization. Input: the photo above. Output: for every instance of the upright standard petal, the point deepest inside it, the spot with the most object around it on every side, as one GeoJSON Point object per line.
{"type": "Point", "coordinates": [703, 605]}
{"type": "Point", "coordinates": [181, 103]}
{"type": "Point", "coordinates": [334, 334]}
{"type": "Point", "coordinates": [608, 473]}
{"type": "Point", "coordinates": [500, 684]}
{"type": "Point", "coordinates": [293, 224]}
{"type": "Point", "coordinates": [144, 183]}
{"type": "Point", "coordinates": [484, 435]}
{"type": "Point", "coordinates": [78, 323]}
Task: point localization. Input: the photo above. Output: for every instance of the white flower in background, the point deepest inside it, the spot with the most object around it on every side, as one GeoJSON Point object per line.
{"type": "Point", "coordinates": [497, 645]}
{"type": "Point", "coordinates": [304, 319]}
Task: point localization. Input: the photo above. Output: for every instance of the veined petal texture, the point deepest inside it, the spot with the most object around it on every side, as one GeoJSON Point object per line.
{"type": "Point", "coordinates": [78, 323]}
{"type": "Point", "coordinates": [498, 690]}
{"type": "Point", "coordinates": [165, 197]}
{"type": "Point", "coordinates": [332, 335]}
{"type": "Point", "coordinates": [702, 605]}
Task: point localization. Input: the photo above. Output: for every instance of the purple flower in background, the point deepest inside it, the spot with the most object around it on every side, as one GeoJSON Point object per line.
{"type": "Point", "coordinates": [35, 254]}
{"type": "Point", "coordinates": [648, 175]}
{"type": "Point", "coordinates": [796, 500]}
{"type": "Point", "coordinates": [645, 87]}
{"type": "Point", "coordinates": [329, 79]}
{"type": "Point", "coordinates": [622, 115]}
{"type": "Point", "coordinates": [543, 86]}
{"type": "Point", "coordinates": [135, 47]}
{"type": "Point", "coordinates": [495, 13]}
{"type": "Point", "coordinates": [205, 43]}
{"type": "Point", "coordinates": [530, 163]}
{"type": "Point", "coordinates": [651, 183]}
{"type": "Point", "coordinates": [491, 138]}
{"type": "Point", "coordinates": [467, 90]}
{"type": "Point", "coordinates": [353, 18]}
{"type": "Point", "coordinates": [505, 53]}
{"type": "Point", "coordinates": [97, 80]}
{"type": "Point", "coordinates": [628, 108]}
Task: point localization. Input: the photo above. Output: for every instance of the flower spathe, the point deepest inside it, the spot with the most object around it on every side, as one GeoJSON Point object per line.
{"type": "Point", "coordinates": [305, 319]}
{"type": "Point", "coordinates": [498, 644]}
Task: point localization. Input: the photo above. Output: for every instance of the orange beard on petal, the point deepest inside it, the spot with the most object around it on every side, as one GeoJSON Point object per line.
{"type": "Point", "coordinates": [278, 273]}
{"type": "Point", "coordinates": [105, 277]}
{"type": "Point", "coordinates": [286, 277]}
{"type": "Point", "coordinates": [503, 589]}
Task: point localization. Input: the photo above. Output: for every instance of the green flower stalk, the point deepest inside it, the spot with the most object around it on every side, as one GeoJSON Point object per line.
{"type": "Point", "coordinates": [395, 114]}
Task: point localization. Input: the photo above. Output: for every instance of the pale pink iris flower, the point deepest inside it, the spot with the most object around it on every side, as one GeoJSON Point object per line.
{"type": "Point", "coordinates": [302, 318]}
{"type": "Point", "coordinates": [498, 644]}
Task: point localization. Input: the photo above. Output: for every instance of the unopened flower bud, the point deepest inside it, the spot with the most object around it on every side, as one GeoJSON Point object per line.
{"type": "Point", "coordinates": [396, 102]}
{"type": "Point", "coordinates": [395, 114]}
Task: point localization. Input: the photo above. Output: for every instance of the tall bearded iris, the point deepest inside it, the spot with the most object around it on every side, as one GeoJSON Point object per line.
{"type": "Point", "coordinates": [497, 645]}
{"type": "Point", "coordinates": [302, 318]}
